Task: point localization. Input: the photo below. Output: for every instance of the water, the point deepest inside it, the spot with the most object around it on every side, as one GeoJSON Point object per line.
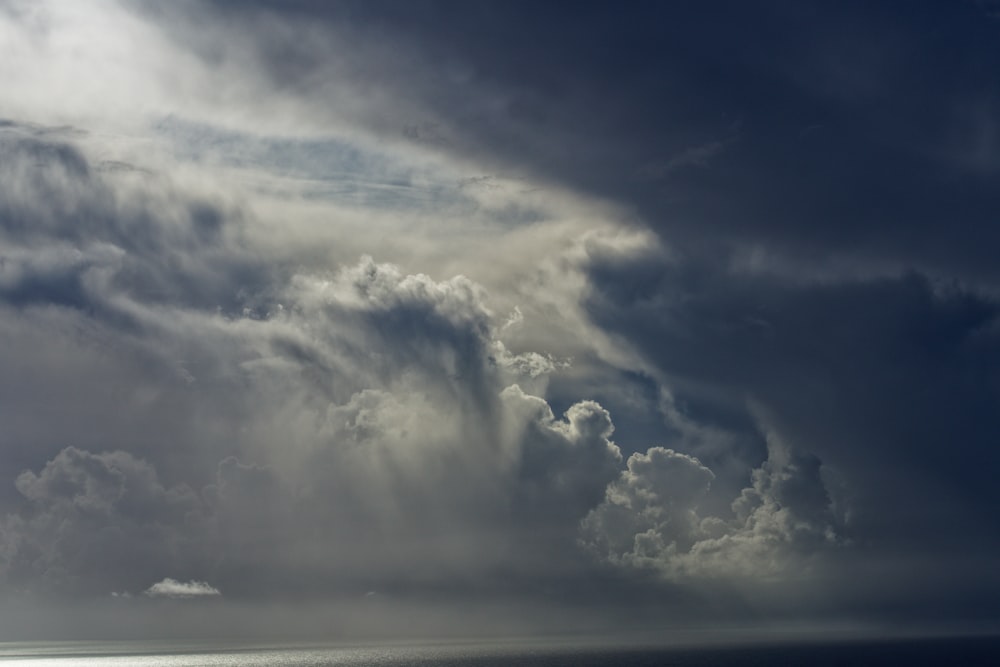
{"type": "Point", "coordinates": [909, 653]}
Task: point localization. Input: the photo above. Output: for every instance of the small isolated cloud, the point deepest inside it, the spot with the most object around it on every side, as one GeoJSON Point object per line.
{"type": "Point", "coordinates": [171, 588]}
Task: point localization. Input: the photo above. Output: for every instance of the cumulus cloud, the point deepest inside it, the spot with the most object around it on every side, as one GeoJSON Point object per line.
{"type": "Point", "coordinates": [171, 588]}
{"type": "Point", "coordinates": [651, 518]}
{"type": "Point", "coordinates": [343, 425]}
{"type": "Point", "coordinates": [307, 406]}
{"type": "Point", "coordinates": [98, 519]}
{"type": "Point", "coordinates": [368, 423]}
{"type": "Point", "coordinates": [570, 460]}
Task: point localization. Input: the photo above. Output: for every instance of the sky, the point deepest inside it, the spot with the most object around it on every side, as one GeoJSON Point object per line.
{"type": "Point", "coordinates": [362, 319]}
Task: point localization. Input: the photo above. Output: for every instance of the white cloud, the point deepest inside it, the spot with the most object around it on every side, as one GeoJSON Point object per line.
{"type": "Point", "coordinates": [171, 588]}
{"type": "Point", "coordinates": [651, 518]}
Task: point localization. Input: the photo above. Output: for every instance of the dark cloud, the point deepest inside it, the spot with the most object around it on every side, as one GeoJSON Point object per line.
{"type": "Point", "coordinates": [764, 242]}
{"type": "Point", "coordinates": [814, 130]}
{"type": "Point", "coordinates": [76, 236]}
{"type": "Point", "coordinates": [886, 382]}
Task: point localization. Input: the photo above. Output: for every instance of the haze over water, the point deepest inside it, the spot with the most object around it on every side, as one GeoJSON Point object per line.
{"type": "Point", "coordinates": [971, 652]}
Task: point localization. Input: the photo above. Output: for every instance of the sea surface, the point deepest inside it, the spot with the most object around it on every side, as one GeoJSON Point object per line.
{"type": "Point", "coordinates": [909, 653]}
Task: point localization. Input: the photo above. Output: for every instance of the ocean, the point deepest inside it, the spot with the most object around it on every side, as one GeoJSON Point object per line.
{"type": "Point", "coordinates": [963, 652]}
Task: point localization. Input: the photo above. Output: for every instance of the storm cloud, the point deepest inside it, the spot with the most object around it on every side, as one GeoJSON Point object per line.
{"type": "Point", "coordinates": [632, 318]}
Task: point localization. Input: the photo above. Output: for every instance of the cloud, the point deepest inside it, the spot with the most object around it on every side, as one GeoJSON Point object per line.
{"type": "Point", "coordinates": [171, 588]}
{"type": "Point", "coordinates": [309, 300]}
{"type": "Point", "coordinates": [841, 394]}
{"type": "Point", "coordinates": [653, 499]}
{"type": "Point", "coordinates": [343, 366]}
{"type": "Point", "coordinates": [298, 402]}
{"type": "Point", "coordinates": [85, 238]}
{"type": "Point", "coordinates": [651, 519]}
{"type": "Point", "coordinates": [96, 521]}
{"type": "Point", "coordinates": [324, 428]}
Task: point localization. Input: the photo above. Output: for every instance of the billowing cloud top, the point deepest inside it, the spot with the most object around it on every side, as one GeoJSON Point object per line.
{"type": "Point", "coordinates": [528, 322]}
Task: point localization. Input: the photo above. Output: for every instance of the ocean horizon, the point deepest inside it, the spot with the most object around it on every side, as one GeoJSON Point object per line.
{"type": "Point", "coordinates": [966, 651]}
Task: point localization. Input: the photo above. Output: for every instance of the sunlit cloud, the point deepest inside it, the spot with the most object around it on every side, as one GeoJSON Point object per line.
{"type": "Point", "coordinates": [555, 320]}
{"type": "Point", "coordinates": [171, 588]}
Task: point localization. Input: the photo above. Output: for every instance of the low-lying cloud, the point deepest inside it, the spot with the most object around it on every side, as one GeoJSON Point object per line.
{"type": "Point", "coordinates": [171, 588]}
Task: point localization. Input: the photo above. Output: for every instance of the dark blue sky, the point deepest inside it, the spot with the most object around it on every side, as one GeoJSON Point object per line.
{"type": "Point", "coordinates": [815, 128]}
